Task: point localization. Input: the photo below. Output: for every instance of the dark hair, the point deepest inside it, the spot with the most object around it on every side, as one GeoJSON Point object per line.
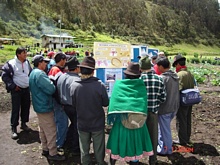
{"type": "Point", "coordinates": [20, 50]}
{"type": "Point", "coordinates": [73, 68]}
{"type": "Point", "coordinates": [86, 71]}
{"type": "Point", "coordinates": [36, 64]}
{"type": "Point", "coordinates": [163, 61]}
{"type": "Point", "coordinates": [181, 62]}
{"type": "Point", "coordinates": [59, 56]}
{"type": "Point", "coordinates": [131, 76]}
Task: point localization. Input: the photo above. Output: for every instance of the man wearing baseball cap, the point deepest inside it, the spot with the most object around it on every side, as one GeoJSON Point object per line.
{"type": "Point", "coordinates": [42, 89]}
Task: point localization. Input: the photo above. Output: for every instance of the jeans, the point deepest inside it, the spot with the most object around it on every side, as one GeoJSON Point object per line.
{"type": "Point", "coordinates": [20, 101]}
{"type": "Point", "coordinates": [165, 132]}
{"type": "Point", "coordinates": [72, 138]}
{"type": "Point", "coordinates": [61, 121]}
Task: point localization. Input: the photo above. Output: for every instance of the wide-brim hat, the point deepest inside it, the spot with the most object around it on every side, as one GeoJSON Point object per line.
{"type": "Point", "coordinates": [133, 69]}
{"type": "Point", "coordinates": [177, 58]}
{"type": "Point", "coordinates": [88, 62]}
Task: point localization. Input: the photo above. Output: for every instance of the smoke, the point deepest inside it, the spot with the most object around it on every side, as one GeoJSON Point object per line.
{"type": "Point", "coordinates": [48, 26]}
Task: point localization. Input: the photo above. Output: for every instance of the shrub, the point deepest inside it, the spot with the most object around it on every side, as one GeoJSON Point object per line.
{"type": "Point", "coordinates": [196, 55]}
{"type": "Point", "coordinates": [214, 62]}
{"type": "Point", "coordinates": [195, 60]}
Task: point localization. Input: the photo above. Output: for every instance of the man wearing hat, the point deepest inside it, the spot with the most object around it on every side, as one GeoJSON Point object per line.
{"type": "Point", "coordinates": [42, 89]}
{"type": "Point", "coordinates": [64, 84]}
{"type": "Point", "coordinates": [89, 97]}
{"type": "Point", "coordinates": [186, 81]}
{"type": "Point", "coordinates": [52, 62]}
{"type": "Point", "coordinates": [156, 95]}
{"type": "Point", "coordinates": [61, 118]}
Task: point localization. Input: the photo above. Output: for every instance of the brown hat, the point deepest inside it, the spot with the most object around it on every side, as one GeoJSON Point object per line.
{"type": "Point", "coordinates": [133, 69]}
{"type": "Point", "coordinates": [88, 62]}
{"type": "Point", "coordinates": [178, 58]}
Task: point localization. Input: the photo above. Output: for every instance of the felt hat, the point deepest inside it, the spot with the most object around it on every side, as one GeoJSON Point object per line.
{"type": "Point", "coordinates": [39, 58]}
{"type": "Point", "coordinates": [177, 58]}
{"type": "Point", "coordinates": [145, 63]}
{"type": "Point", "coordinates": [88, 62]}
{"type": "Point", "coordinates": [133, 69]}
{"type": "Point", "coordinates": [72, 63]}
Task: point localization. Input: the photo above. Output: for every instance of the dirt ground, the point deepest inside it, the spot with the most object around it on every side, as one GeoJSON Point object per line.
{"type": "Point", "coordinates": [205, 135]}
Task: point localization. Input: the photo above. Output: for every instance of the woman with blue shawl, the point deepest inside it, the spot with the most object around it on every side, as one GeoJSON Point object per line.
{"type": "Point", "coordinates": [129, 139]}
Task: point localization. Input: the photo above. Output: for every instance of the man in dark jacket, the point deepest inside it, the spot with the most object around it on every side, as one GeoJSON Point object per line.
{"type": "Point", "coordinates": [15, 75]}
{"type": "Point", "coordinates": [89, 97]}
{"type": "Point", "coordinates": [186, 81]}
{"type": "Point", "coordinates": [64, 83]}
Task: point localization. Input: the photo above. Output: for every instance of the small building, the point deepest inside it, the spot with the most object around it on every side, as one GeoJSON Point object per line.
{"type": "Point", "coordinates": [8, 41]}
{"type": "Point", "coordinates": [56, 41]}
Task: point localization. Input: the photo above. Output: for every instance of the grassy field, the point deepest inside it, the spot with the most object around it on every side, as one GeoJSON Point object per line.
{"type": "Point", "coordinates": [88, 39]}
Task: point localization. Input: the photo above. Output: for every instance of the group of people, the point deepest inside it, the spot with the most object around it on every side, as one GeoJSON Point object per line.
{"type": "Point", "coordinates": [140, 109]}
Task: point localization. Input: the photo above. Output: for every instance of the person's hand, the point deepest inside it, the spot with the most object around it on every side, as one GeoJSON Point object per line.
{"type": "Point", "coordinates": [17, 88]}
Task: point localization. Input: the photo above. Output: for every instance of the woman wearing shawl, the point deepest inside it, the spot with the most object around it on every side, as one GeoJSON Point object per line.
{"type": "Point", "coordinates": [129, 139]}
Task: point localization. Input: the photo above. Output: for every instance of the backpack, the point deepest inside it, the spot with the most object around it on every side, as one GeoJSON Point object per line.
{"type": "Point", "coordinates": [134, 121]}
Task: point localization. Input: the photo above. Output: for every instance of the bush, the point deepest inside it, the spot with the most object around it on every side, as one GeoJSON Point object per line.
{"type": "Point", "coordinates": [195, 60]}
{"type": "Point", "coordinates": [196, 55]}
{"type": "Point", "coordinates": [214, 62]}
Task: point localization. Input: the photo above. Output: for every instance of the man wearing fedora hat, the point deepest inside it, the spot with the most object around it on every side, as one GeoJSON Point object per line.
{"type": "Point", "coordinates": [64, 83]}
{"type": "Point", "coordinates": [186, 81]}
{"type": "Point", "coordinates": [89, 97]}
{"type": "Point", "coordinates": [129, 138]}
{"type": "Point", "coordinates": [156, 95]}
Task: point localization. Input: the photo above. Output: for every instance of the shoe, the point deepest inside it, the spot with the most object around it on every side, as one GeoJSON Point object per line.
{"type": "Point", "coordinates": [176, 142]}
{"type": "Point", "coordinates": [45, 153]}
{"type": "Point", "coordinates": [56, 157]}
{"type": "Point", "coordinates": [112, 161]}
{"type": "Point", "coordinates": [163, 155]}
{"type": "Point", "coordinates": [14, 134]}
{"type": "Point", "coordinates": [60, 151]}
{"type": "Point", "coordinates": [25, 127]}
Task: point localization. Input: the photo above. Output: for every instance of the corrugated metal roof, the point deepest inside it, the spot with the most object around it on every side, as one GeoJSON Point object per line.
{"type": "Point", "coordinates": [57, 36]}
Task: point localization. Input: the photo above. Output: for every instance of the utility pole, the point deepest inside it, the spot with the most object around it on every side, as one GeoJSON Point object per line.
{"type": "Point", "coordinates": [59, 21]}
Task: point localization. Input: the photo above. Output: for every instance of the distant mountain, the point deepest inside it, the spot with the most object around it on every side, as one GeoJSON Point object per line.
{"type": "Point", "coordinates": [155, 22]}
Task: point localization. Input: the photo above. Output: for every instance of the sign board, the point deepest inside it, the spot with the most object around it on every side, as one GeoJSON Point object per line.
{"type": "Point", "coordinates": [152, 51]}
{"type": "Point", "coordinates": [138, 50]}
{"type": "Point", "coordinates": [112, 55]}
